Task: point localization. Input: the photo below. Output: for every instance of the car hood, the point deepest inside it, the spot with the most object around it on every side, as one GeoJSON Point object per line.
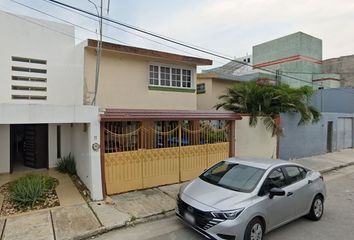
{"type": "Point", "coordinates": [214, 196]}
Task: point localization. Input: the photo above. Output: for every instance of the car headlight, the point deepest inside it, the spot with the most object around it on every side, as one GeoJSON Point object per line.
{"type": "Point", "coordinates": [227, 215]}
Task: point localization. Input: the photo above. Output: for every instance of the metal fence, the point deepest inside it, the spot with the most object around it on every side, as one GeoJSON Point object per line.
{"type": "Point", "coordinates": [147, 154]}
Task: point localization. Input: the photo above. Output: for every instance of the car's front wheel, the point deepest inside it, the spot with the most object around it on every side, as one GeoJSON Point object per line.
{"type": "Point", "coordinates": [316, 211]}
{"type": "Point", "coordinates": [254, 230]}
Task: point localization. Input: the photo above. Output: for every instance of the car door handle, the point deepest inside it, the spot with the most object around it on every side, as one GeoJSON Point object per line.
{"type": "Point", "coordinates": [289, 194]}
{"type": "Point", "coordinates": [310, 181]}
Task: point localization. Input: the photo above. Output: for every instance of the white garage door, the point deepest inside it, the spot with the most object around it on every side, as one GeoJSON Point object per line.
{"type": "Point", "coordinates": [344, 133]}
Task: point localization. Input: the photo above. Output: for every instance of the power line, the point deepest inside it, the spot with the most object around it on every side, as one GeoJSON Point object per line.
{"type": "Point", "coordinates": [210, 53]}
{"type": "Point", "coordinates": [89, 30]}
{"type": "Point", "coordinates": [178, 42]}
{"type": "Point", "coordinates": [230, 68]}
{"type": "Point", "coordinates": [86, 29]}
{"type": "Point", "coordinates": [63, 20]}
{"type": "Point", "coordinates": [124, 30]}
{"type": "Point", "coordinates": [98, 51]}
{"type": "Point", "coordinates": [38, 24]}
{"type": "Point", "coordinates": [318, 73]}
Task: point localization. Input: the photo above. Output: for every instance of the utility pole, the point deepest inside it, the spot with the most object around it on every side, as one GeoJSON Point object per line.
{"type": "Point", "coordinates": [278, 76]}
{"type": "Point", "coordinates": [98, 53]}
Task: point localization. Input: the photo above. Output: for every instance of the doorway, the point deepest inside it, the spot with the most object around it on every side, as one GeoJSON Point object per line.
{"type": "Point", "coordinates": [29, 146]}
{"type": "Point", "coordinates": [329, 136]}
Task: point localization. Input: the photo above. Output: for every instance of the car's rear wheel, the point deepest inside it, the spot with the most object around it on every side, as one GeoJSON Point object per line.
{"type": "Point", "coordinates": [316, 210]}
{"type": "Point", "coordinates": [254, 230]}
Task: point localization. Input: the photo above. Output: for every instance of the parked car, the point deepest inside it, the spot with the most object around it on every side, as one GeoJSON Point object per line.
{"type": "Point", "coordinates": [244, 198]}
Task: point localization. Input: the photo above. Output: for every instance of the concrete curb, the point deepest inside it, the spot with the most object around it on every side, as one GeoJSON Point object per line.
{"type": "Point", "coordinates": [133, 223]}
{"type": "Point", "coordinates": [330, 169]}
{"type": "Point", "coordinates": [90, 234]}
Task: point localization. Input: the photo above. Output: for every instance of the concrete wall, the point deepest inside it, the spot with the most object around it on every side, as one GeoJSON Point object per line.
{"type": "Point", "coordinates": [88, 162]}
{"type": "Point", "coordinates": [342, 65]}
{"type": "Point", "coordinates": [65, 143]}
{"type": "Point", "coordinates": [22, 37]}
{"type": "Point", "coordinates": [213, 89]}
{"type": "Point", "coordinates": [308, 140]}
{"type": "Point", "coordinates": [124, 83]}
{"type": "Point", "coordinates": [298, 43]}
{"type": "Point", "coordinates": [287, 47]}
{"type": "Point", "coordinates": [205, 100]}
{"type": "Point", "coordinates": [334, 100]}
{"type": "Point", "coordinates": [4, 148]}
{"type": "Point", "coordinates": [45, 113]}
{"type": "Point", "coordinates": [254, 141]}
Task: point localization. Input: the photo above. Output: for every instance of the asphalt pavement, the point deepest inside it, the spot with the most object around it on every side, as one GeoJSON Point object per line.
{"type": "Point", "coordinates": [336, 223]}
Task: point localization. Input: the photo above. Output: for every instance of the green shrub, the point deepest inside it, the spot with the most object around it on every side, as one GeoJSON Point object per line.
{"type": "Point", "coordinates": [66, 165]}
{"type": "Point", "coordinates": [30, 190]}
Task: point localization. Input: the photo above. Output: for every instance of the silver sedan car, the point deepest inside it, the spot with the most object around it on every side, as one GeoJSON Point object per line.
{"type": "Point", "coordinates": [244, 198]}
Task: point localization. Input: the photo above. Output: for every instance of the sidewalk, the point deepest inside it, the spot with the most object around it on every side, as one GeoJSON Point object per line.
{"type": "Point", "coordinates": [86, 220]}
{"type": "Point", "coordinates": [328, 162]}
{"type": "Point", "coordinates": [57, 224]}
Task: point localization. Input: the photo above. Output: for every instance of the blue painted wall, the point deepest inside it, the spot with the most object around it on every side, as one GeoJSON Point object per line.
{"type": "Point", "coordinates": [337, 100]}
{"type": "Point", "coordinates": [307, 140]}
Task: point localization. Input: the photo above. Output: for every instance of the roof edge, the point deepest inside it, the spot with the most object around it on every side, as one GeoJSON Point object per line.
{"type": "Point", "coordinates": [91, 43]}
{"type": "Point", "coordinates": [112, 114]}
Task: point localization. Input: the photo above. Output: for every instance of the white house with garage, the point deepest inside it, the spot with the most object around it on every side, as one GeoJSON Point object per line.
{"type": "Point", "coordinates": [42, 116]}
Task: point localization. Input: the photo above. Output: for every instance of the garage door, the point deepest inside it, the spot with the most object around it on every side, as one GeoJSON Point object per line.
{"type": "Point", "coordinates": [344, 133]}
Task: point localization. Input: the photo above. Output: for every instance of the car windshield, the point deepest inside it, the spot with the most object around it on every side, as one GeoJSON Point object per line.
{"type": "Point", "coordinates": [233, 176]}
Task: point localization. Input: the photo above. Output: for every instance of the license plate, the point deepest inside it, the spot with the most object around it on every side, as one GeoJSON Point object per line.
{"type": "Point", "coordinates": [189, 218]}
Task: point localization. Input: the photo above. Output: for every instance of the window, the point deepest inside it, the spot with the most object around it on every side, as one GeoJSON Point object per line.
{"type": "Point", "coordinates": [276, 179]}
{"type": "Point", "coordinates": [295, 174]}
{"type": "Point", "coordinates": [58, 141]}
{"type": "Point", "coordinates": [200, 88]}
{"type": "Point", "coordinates": [186, 78]}
{"type": "Point", "coordinates": [176, 77]}
{"type": "Point", "coordinates": [154, 75]}
{"type": "Point", "coordinates": [233, 176]}
{"type": "Point", "coordinates": [170, 76]}
{"type": "Point", "coordinates": [165, 76]}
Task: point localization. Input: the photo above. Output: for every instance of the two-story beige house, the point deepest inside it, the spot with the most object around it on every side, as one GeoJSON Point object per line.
{"type": "Point", "coordinates": [151, 131]}
{"type": "Point", "coordinates": [137, 78]}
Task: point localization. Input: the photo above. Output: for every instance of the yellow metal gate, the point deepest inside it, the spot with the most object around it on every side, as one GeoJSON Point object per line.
{"type": "Point", "coordinates": [138, 156]}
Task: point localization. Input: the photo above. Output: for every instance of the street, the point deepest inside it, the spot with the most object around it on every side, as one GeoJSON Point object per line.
{"type": "Point", "coordinates": [336, 223]}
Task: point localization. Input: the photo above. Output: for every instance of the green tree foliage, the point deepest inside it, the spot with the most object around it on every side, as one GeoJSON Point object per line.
{"type": "Point", "coordinates": [267, 101]}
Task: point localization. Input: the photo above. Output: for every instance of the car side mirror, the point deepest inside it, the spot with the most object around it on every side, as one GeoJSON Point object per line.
{"type": "Point", "coordinates": [276, 192]}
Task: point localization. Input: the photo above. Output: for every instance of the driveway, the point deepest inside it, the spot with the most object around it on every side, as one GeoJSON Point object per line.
{"type": "Point", "coordinates": [337, 221]}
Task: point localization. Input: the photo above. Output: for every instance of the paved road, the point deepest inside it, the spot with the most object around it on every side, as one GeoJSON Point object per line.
{"type": "Point", "coordinates": [337, 221]}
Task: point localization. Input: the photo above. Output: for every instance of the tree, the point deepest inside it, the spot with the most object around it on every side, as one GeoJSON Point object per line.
{"type": "Point", "coordinates": [267, 101]}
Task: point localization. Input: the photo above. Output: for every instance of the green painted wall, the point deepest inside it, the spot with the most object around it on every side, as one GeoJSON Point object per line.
{"type": "Point", "coordinates": [291, 45]}
{"type": "Point", "coordinates": [294, 44]}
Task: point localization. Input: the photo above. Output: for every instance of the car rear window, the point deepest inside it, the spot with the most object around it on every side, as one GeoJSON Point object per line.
{"type": "Point", "coordinates": [233, 176]}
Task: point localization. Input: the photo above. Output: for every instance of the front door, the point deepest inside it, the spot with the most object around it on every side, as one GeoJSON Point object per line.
{"type": "Point", "coordinates": [329, 136]}
{"type": "Point", "coordinates": [29, 146]}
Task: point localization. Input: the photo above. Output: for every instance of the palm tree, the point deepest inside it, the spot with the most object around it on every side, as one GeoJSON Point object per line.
{"type": "Point", "coordinates": [267, 101]}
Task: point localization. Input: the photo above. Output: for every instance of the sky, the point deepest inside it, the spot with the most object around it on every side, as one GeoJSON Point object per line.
{"type": "Point", "coordinates": [230, 27]}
